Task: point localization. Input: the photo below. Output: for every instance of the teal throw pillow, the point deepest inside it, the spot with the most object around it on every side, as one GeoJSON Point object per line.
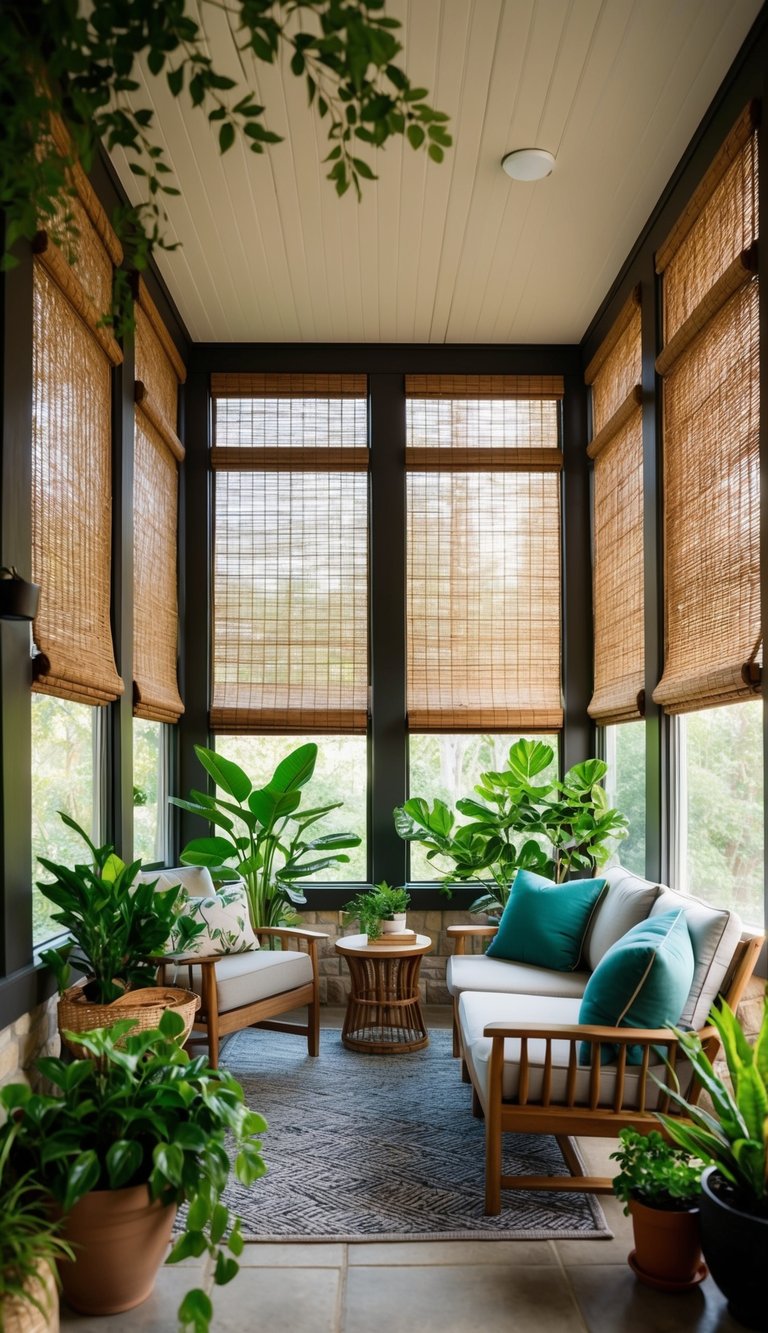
{"type": "Point", "coordinates": [545, 923]}
{"type": "Point", "coordinates": [642, 981]}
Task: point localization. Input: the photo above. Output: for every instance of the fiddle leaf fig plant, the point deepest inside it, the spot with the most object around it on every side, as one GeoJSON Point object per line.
{"type": "Point", "coordinates": [262, 835]}
{"type": "Point", "coordinates": [522, 821]}
{"type": "Point", "coordinates": [115, 926]}
{"type": "Point", "coordinates": [85, 62]}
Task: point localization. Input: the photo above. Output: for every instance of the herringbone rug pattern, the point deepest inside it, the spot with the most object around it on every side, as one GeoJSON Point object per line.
{"type": "Point", "coordinates": [364, 1147]}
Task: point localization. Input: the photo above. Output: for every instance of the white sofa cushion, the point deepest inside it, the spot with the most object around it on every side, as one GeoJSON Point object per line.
{"type": "Point", "coordinates": [244, 978]}
{"type": "Point", "coordinates": [627, 901]}
{"type": "Point", "coordinates": [714, 933]}
{"type": "Point", "coordinates": [476, 972]}
{"type": "Point", "coordinates": [478, 1009]}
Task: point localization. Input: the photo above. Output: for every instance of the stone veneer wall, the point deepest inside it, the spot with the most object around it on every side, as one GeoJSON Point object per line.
{"type": "Point", "coordinates": [334, 974]}
{"type": "Point", "coordinates": [21, 1043]}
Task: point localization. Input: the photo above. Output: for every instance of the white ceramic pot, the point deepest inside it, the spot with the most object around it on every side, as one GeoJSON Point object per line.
{"type": "Point", "coordinates": [394, 926]}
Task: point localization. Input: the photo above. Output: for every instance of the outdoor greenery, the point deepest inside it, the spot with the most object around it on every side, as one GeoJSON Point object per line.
{"type": "Point", "coordinates": [548, 826]}
{"type": "Point", "coordinates": [734, 1136]}
{"type": "Point", "coordinates": [655, 1173]}
{"type": "Point", "coordinates": [137, 1111]}
{"type": "Point", "coordinates": [372, 906]}
{"type": "Point", "coordinates": [63, 778]}
{"type": "Point", "coordinates": [115, 928]}
{"type": "Point", "coordinates": [262, 834]}
{"type": "Point", "coordinates": [149, 811]}
{"type": "Point", "coordinates": [625, 788]}
{"type": "Point", "coordinates": [79, 60]}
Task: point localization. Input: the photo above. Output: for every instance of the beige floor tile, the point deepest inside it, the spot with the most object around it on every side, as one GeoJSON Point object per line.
{"type": "Point", "coordinates": [267, 1299]}
{"type": "Point", "coordinates": [601, 1251]}
{"type": "Point", "coordinates": [613, 1301]}
{"type": "Point", "coordinates": [512, 1252]}
{"type": "Point", "coordinates": [155, 1315]}
{"type": "Point", "coordinates": [265, 1254]}
{"type": "Point", "coordinates": [493, 1298]}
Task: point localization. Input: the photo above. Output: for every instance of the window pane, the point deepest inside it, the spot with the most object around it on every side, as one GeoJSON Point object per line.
{"type": "Point", "coordinates": [341, 774]}
{"type": "Point", "coordinates": [63, 777]}
{"type": "Point", "coordinates": [722, 774]}
{"type": "Point", "coordinates": [448, 766]}
{"type": "Point", "coordinates": [150, 800]}
{"type": "Point", "coordinates": [625, 786]}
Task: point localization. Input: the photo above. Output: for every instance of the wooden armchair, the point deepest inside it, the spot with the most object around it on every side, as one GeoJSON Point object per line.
{"type": "Point", "coordinates": [249, 989]}
{"type": "Point", "coordinates": [526, 1076]}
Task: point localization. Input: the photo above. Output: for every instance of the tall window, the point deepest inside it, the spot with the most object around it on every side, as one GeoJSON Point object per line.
{"type": "Point", "coordinates": [290, 581]}
{"type": "Point", "coordinates": [624, 753]}
{"type": "Point", "coordinates": [483, 575]}
{"type": "Point", "coordinates": [150, 792]}
{"type": "Point", "coordinates": [713, 634]}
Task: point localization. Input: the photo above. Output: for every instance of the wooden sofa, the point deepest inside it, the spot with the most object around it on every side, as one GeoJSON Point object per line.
{"type": "Point", "coordinates": [516, 1029]}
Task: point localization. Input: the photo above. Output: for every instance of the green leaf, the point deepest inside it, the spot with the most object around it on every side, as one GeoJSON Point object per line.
{"type": "Point", "coordinates": [196, 1310]}
{"type": "Point", "coordinates": [295, 770]}
{"type": "Point", "coordinates": [123, 1160]}
{"type": "Point", "coordinates": [227, 775]}
{"type": "Point", "coordinates": [226, 136]}
{"type": "Point", "coordinates": [214, 849]}
{"type": "Point", "coordinates": [225, 1269]}
{"type": "Point", "coordinates": [84, 1175]}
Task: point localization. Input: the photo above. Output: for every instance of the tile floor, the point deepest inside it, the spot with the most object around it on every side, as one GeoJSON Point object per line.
{"type": "Point", "coordinates": [483, 1286]}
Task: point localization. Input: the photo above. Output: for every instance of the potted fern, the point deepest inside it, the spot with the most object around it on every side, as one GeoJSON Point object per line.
{"type": "Point", "coordinates": [380, 910]}
{"type": "Point", "coordinates": [732, 1139]}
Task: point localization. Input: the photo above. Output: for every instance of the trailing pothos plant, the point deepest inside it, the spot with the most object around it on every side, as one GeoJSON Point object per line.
{"type": "Point", "coordinates": [115, 926]}
{"type": "Point", "coordinates": [521, 822]}
{"type": "Point", "coordinates": [139, 1111]}
{"type": "Point", "coordinates": [80, 60]}
{"type": "Point", "coordinates": [263, 835]}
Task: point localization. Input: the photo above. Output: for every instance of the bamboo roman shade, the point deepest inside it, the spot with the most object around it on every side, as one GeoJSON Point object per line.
{"type": "Point", "coordinates": [73, 354]}
{"type": "Point", "coordinates": [710, 364]}
{"type": "Point", "coordinates": [618, 576]}
{"type": "Point", "coordinates": [483, 567]}
{"type": "Point", "coordinates": [157, 455]}
{"type": "Point", "coordinates": [290, 594]}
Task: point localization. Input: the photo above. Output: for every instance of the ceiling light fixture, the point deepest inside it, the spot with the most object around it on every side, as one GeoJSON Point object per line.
{"type": "Point", "coordinates": [528, 164]}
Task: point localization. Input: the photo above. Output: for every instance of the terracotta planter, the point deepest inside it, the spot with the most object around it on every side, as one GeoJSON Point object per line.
{"type": "Point", "coordinates": [667, 1249]}
{"type": "Point", "coordinates": [735, 1245]}
{"type": "Point", "coordinates": [120, 1240]}
{"type": "Point", "coordinates": [20, 1316]}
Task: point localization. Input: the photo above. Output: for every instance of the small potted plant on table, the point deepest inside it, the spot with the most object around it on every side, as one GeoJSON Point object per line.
{"type": "Point", "coordinates": [660, 1188]}
{"type": "Point", "coordinates": [131, 1133]}
{"type": "Point", "coordinates": [732, 1139]}
{"type": "Point", "coordinates": [380, 910]}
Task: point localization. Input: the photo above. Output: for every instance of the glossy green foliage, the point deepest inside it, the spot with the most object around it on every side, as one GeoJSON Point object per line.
{"type": "Point", "coordinates": [655, 1172]}
{"type": "Point", "coordinates": [138, 1110]}
{"type": "Point", "coordinates": [372, 906]}
{"type": "Point", "coordinates": [262, 834]}
{"type": "Point", "coordinates": [519, 823]}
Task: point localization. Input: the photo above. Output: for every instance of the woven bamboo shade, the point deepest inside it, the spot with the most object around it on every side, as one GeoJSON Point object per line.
{"type": "Point", "coordinates": [617, 558]}
{"type": "Point", "coordinates": [713, 641]}
{"type": "Point", "coordinates": [72, 496]}
{"type": "Point", "coordinates": [483, 568]}
{"type": "Point", "coordinates": [157, 454]}
{"type": "Point", "coordinates": [290, 618]}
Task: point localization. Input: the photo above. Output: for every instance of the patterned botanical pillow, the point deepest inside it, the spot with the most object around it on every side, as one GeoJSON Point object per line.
{"type": "Point", "coordinates": [214, 924]}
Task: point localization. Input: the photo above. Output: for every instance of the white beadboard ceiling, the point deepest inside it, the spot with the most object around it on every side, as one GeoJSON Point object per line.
{"type": "Point", "coordinates": [458, 252]}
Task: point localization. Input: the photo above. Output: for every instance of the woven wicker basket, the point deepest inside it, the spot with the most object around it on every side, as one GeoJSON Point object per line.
{"type": "Point", "coordinates": [145, 1005]}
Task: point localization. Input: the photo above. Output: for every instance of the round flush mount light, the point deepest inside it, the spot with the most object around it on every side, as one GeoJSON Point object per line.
{"type": "Point", "coordinates": [528, 164]}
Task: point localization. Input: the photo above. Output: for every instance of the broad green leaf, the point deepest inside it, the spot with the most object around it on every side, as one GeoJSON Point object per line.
{"type": "Point", "coordinates": [196, 1310]}
{"type": "Point", "coordinates": [295, 770]}
{"type": "Point", "coordinates": [84, 1175]}
{"type": "Point", "coordinates": [227, 775]}
{"type": "Point", "coordinates": [123, 1160]}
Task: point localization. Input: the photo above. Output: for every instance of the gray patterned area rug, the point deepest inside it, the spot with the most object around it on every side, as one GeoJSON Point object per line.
{"type": "Point", "coordinates": [370, 1147]}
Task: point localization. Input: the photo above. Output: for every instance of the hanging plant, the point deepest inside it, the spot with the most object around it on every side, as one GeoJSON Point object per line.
{"type": "Point", "coordinates": [77, 60]}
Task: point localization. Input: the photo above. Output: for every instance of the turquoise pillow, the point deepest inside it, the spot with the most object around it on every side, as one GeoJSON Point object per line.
{"type": "Point", "coordinates": [545, 923]}
{"type": "Point", "coordinates": [642, 981]}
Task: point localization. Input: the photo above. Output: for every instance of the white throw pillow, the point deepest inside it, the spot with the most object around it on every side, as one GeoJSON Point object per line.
{"type": "Point", "coordinates": [224, 916]}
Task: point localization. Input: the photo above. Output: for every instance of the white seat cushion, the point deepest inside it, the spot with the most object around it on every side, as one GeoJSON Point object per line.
{"type": "Point", "coordinates": [478, 1009]}
{"type": "Point", "coordinates": [476, 972]}
{"type": "Point", "coordinates": [627, 901]}
{"type": "Point", "coordinates": [714, 933]}
{"type": "Point", "coordinates": [244, 978]}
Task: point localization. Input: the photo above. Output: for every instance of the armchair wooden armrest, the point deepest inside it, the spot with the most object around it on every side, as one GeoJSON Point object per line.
{"type": "Point", "coordinates": [462, 933]}
{"type": "Point", "coordinates": [292, 932]}
{"type": "Point", "coordinates": [583, 1032]}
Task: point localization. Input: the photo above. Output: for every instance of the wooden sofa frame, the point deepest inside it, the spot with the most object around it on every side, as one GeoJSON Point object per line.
{"type": "Point", "coordinates": [261, 1013]}
{"type": "Point", "coordinates": [591, 1117]}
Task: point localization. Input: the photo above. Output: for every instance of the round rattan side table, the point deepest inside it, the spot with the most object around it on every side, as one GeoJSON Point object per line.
{"type": "Point", "coordinates": [383, 1010]}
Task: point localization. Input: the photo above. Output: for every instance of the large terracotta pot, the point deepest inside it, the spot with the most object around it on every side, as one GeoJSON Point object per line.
{"type": "Point", "coordinates": [120, 1240]}
{"type": "Point", "coordinates": [20, 1316]}
{"type": "Point", "coordinates": [667, 1249]}
{"type": "Point", "coordinates": [735, 1245]}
